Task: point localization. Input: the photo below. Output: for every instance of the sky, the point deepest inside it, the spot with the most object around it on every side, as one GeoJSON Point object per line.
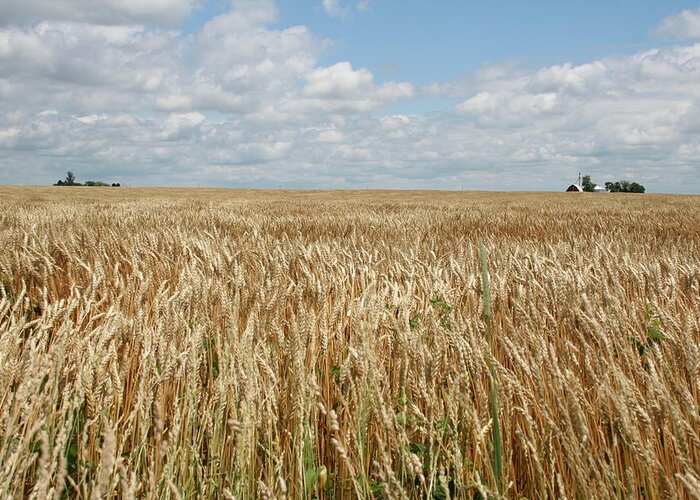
{"type": "Point", "coordinates": [351, 94]}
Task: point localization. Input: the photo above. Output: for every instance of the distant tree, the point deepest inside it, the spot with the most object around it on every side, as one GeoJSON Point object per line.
{"type": "Point", "coordinates": [70, 181]}
{"type": "Point", "coordinates": [636, 188]}
{"type": "Point", "coordinates": [588, 186]}
{"type": "Point", "coordinates": [624, 187]}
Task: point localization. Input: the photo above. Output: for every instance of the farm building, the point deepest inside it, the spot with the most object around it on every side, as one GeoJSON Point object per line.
{"type": "Point", "coordinates": [576, 188]}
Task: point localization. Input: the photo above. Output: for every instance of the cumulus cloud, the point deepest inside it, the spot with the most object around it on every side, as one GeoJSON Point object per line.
{"type": "Point", "coordinates": [157, 105]}
{"type": "Point", "coordinates": [337, 8]}
{"type": "Point", "coordinates": [109, 12]}
{"type": "Point", "coordinates": [125, 57]}
{"type": "Point", "coordinates": [243, 65]}
{"type": "Point", "coordinates": [337, 81]}
{"type": "Point", "coordinates": [178, 126]}
{"type": "Point", "coordinates": [620, 116]}
{"type": "Point", "coordinates": [245, 102]}
{"type": "Point", "coordinates": [497, 109]}
{"type": "Point", "coordinates": [364, 4]}
{"type": "Point", "coordinates": [681, 26]}
{"type": "Point", "coordinates": [330, 136]}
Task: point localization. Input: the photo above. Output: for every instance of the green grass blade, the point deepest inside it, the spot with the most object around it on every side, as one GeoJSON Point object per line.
{"type": "Point", "coordinates": [497, 459]}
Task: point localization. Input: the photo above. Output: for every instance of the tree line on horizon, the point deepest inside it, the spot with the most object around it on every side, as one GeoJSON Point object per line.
{"type": "Point", "coordinates": [70, 181]}
{"type": "Point", "coordinates": [587, 184]}
{"type": "Point", "coordinates": [613, 187]}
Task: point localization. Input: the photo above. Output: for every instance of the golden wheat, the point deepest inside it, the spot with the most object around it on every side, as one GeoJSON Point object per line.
{"type": "Point", "coordinates": [241, 344]}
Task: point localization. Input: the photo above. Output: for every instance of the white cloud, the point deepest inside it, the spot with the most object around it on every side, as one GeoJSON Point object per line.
{"type": "Point", "coordinates": [363, 4]}
{"type": "Point", "coordinates": [8, 136]}
{"type": "Point", "coordinates": [582, 79]}
{"type": "Point", "coordinates": [123, 57]}
{"type": "Point", "coordinates": [110, 12]}
{"type": "Point", "coordinates": [173, 102]}
{"type": "Point", "coordinates": [335, 8]}
{"type": "Point", "coordinates": [157, 106]}
{"type": "Point", "coordinates": [246, 16]}
{"type": "Point", "coordinates": [337, 81]}
{"type": "Point", "coordinates": [330, 136]}
{"type": "Point", "coordinates": [177, 126]}
{"type": "Point", "coordinates": [340, 88]}
{"type": "Point", "coordinates": [625, 115]}
{"type": "Point", "coordinates": [681, 26]}
{"type": "Point", "coordinates": [501, 107]}
{"type": "Point", "coordinates": [247, 103]}
{"type": "Point", "coordinates": [91, 119]}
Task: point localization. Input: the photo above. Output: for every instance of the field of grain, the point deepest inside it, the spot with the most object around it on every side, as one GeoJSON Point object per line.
{"type": "Point", "coordinates": [171, 343]}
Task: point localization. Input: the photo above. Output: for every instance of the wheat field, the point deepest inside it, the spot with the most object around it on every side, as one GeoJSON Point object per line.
{"type": "Point", "coordinates": [174, 343]}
